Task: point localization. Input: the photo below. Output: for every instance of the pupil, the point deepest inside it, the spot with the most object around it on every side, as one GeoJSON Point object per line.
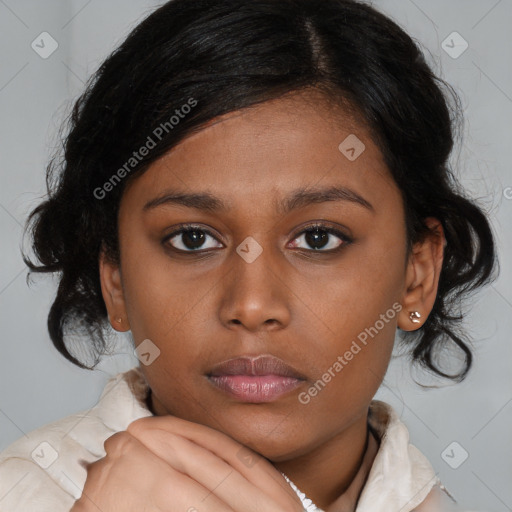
{"type": "Point", "coordinates": [196, 238]}
{"type": "Point", "coordinates": [313, 238]}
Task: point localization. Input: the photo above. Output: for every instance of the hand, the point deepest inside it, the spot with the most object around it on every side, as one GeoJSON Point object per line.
{"type": "Point", "coordinates": [167, 464]}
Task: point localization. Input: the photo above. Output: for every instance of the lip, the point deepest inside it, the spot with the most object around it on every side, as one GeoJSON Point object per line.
{"type": "Point", "coordinates": [255, 379]}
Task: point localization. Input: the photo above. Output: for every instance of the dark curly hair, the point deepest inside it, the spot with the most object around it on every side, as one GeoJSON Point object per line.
{"type": "Point", "coordinates": [225, 55]}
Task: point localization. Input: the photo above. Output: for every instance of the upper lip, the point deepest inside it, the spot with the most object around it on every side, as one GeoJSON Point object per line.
{"type": "Point", "coordinates": [260, 365]}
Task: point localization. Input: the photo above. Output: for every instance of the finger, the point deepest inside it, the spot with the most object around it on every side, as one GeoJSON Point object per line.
{"type": "Point", "coordinates": [215, 441]}
{"type": "Point", "coordinates": [212, 472]}
{"type": "Point", "coordinates": [132, 478]}
{"type": "Point", "coordinates": [247, 463]}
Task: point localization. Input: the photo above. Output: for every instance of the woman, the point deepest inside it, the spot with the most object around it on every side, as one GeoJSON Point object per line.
{"type": "Point", "coordinates": [259, 192]}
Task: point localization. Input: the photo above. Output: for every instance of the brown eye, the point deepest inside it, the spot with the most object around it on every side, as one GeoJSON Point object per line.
{"type": "Point", "coordinates": [191, 239]}
{"type": "Point", "coordinates": [322, 238]}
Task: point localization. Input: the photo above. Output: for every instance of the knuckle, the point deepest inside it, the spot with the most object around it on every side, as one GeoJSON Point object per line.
{"type": "Point", "coordinates": [117, 442]}
{"type": "Point", "coordinates": [138, 426]}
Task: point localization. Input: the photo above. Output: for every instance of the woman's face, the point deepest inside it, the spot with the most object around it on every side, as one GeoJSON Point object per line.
{"type": "Point", "coordinates": [251, 281]}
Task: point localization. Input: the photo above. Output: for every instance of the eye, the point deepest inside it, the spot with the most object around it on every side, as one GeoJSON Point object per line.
{"type": "Point", "coordinates": [319, 237]}
{"type": "Point", "coordinates": [190, 238]}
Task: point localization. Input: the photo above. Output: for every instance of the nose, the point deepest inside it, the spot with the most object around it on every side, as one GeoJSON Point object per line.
{"type": "Point", "coordinates": [255, 295]}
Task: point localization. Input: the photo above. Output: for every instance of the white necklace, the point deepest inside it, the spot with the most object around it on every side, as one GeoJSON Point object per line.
{"type": "Point", "coordinates": [308, 505]}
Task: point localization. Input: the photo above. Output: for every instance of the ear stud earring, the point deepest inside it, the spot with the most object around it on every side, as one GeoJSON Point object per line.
{"type": "Point", "coordinates": [119, 320]}
{"type": "Point", "coordinates": [414, 317]}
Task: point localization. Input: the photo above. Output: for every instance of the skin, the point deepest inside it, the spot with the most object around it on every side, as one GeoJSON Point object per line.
{"type": "Point", "coordinates": [294, 302]}
{"type": "Point", "coordinates": [167, 464]}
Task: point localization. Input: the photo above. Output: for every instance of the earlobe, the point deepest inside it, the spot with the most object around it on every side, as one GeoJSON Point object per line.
{"type": "Point", "coordinates": [112, 292]}
{"type": "Point", "coordinates": [422, 277]}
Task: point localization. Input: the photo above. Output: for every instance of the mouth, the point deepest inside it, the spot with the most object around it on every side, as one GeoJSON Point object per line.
{"type": "Point", "coordinates": [255, 379]}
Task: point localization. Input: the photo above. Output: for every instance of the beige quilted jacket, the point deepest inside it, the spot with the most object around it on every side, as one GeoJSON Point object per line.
{"type": "Point", "coordinates": [41, 472]}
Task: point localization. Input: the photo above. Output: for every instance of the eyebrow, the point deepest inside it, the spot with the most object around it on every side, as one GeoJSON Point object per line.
{"type": "Point", "coordinates": [298, 198]}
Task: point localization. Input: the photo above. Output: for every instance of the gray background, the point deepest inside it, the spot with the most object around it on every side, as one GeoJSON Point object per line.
{"type": "Point", "coordinates": [38, 386]}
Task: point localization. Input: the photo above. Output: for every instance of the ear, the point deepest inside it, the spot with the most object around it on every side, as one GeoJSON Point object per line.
{"type": "Point", "coordinates": [112, 291]}
{"type": "Point", "coordinates": [422, 276]}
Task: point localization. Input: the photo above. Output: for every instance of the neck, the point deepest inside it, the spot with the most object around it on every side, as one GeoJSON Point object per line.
{"type": "Point", "coordinates": [326, 473]}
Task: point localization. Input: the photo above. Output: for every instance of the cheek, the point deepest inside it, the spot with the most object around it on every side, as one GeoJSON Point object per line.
{"type": "Point", "coordinates": [156, 299]}
{"type": "Point", "coordinates": [350, 370]}
{"type": "Point", "coordinates": [357, 304]}
{"type": "Point", "coordinates": [350, 296]}
{"type": "Point", "coordinates": [167, 306]}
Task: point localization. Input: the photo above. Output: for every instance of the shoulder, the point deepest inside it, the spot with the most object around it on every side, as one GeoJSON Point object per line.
{"type": "Point", "coordinates": [439, 500]}
{"type": "Point", "coordinates": [47, 467]}
{"type": "Point", "coordinates": [401, 477]}
{"type": "Point", "coordinates": [25, 486]}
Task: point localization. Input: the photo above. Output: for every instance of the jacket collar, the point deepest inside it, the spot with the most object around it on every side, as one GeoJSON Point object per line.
{"type": "Point", "coordinates": [400, 477]}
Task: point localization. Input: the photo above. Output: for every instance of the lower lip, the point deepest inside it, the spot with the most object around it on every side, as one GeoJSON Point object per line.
{"type": "Point", "coordinates": [255, 388]}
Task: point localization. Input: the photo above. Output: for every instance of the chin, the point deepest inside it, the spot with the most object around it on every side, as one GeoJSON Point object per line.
{"type": "Point", "coordinates": [276, 446]}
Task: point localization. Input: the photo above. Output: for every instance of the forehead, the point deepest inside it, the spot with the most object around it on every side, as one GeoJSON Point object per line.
{"type": "Point", "coordinates": [299, 140]}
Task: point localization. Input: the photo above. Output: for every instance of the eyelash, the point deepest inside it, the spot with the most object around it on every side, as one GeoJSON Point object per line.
{"type": "Point", "coordinates": [184, 228]}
